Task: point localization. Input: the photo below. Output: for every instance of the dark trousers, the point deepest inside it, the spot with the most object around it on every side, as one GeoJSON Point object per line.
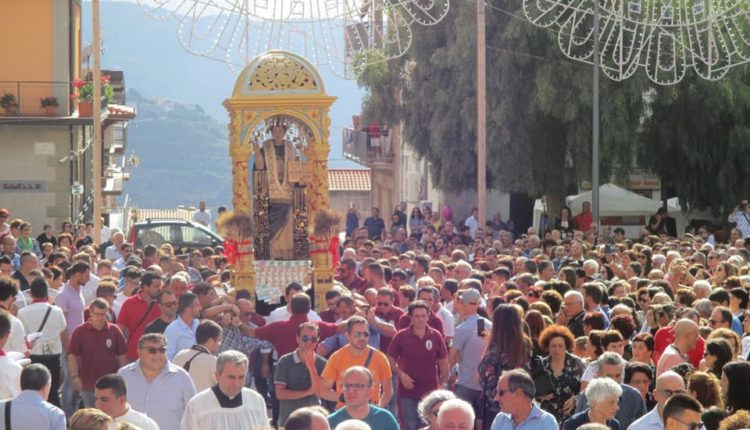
{"type": "Point", "coordinates": [52, 363]}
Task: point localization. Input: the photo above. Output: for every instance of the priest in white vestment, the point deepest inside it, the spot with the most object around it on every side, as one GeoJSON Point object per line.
{"type": "Point", "coordinates": [228, 404]}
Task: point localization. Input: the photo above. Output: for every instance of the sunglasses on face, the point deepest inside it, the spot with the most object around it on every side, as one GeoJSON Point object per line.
{"type": "Point", "coordinates": [156, 350]}
{"type": "Point", "coordinates": [311, 339]}
{"type": "Point", "coordinates": [361, 334]}
{"type": "Point", "coordinates": [670, 393]}
{"type": "Point", "coordinates": [691, 426]}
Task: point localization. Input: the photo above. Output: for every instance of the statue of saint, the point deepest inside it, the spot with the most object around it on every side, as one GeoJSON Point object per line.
{"type": "Point", "coordinates": [272, 182]}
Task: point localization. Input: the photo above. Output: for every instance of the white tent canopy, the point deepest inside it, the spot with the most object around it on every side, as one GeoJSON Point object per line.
{"type": "Point", "coordinates": [616, 201]}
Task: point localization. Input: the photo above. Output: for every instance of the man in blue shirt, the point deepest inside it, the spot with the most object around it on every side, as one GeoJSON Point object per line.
{"type": "Point", "coordinates": [157, 387]}
{"type": "Point", "coordinates": [356, 384]}
{"type": "Point", "coordinates": [29, 410]}
{"type": "Point", "coordinates": [180, 333]}
{"type": "Point", "coordinates": [515, 393]}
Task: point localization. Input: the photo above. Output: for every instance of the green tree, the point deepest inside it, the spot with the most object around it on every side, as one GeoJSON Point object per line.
{"type": "Point", "coordinates": [538, 103]}
{"type": "Point", "coordinates": [696, 140]}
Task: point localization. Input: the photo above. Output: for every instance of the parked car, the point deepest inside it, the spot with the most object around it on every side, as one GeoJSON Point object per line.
{"type": "Point", "coordinates": [184, 236]}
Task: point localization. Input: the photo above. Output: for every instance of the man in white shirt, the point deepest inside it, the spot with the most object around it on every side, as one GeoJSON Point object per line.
{"type": "Point", "coordinates": [8, 292]}
{"type": "Point", "coordinates": [112, 399]}
{"type": "Point", "coordinates": [10, 371]}
{"type": "Point", "coordinates": [199, 361]}
{"type": "Point", "coordinates": [49, 321]}
{"type": "Point", "coordinates": [473, 222]}
{"type": "Point", "coordinates": [228, 404]}
{"type": "Point", "coordinates": [285, 312]}
{"type": "Point", "coordinates": [202, 216]}
{"type": "Point", "coordinates": [667, 384]}
{"type": "Point", "coordinates": [112, 253]}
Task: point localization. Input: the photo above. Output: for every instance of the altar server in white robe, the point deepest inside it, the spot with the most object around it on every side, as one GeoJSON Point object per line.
{"type": "Point", "coordinates": [228, 404]}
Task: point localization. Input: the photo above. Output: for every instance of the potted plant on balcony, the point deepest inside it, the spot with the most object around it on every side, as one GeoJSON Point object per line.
{"type": "Point", "coordinates": [85, 94]}
{"type": "Point", "coordinates": [50, 104]}
{"type": "Point", "coordinates": [9, 103]}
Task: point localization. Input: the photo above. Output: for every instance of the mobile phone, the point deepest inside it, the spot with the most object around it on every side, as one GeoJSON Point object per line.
{"type": "Point", "coordinates": [480, 327]}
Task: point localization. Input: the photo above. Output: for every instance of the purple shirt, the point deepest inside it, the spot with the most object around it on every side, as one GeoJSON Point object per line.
{"type": "Point", "coordinates": [71, 302]}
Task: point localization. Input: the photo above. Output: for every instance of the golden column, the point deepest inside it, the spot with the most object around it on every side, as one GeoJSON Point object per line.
{"type": "Point", "coordinates": [243, 275]}
{"type": "Point", "coordinates": [318, 199]}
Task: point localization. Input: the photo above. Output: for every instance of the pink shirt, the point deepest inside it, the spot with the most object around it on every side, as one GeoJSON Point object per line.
{"type": "Point", "coordinates": [670, 358]}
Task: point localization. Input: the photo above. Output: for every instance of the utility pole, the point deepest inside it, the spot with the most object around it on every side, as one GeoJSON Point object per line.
{"type": "Point", "coordinates": [481, 115]}
{"type": "Point", "coordinates": [96, 178]}
{"type": "Point", "coordinates": [595, 122]}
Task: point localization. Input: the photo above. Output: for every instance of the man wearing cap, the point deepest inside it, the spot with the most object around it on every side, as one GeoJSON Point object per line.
{"type": "Point", "coordinates": [468, 346]}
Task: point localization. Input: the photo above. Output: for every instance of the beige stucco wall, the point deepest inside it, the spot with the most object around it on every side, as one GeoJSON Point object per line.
{"type": "Point", "coordinates": [31, 153]}
{"type": "Point", "coordinates": [340, 200]}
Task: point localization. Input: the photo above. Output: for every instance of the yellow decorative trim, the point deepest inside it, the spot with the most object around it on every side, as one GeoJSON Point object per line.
{"type": "Point", "coordinates": [281, 73]}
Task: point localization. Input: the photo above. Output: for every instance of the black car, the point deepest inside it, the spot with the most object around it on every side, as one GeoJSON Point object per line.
{"type": "Point", "coordinates": [184, 236]}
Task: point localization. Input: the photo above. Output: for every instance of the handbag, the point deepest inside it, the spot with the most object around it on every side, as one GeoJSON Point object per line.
{"type": "Point", "coordinates": [541, 376]}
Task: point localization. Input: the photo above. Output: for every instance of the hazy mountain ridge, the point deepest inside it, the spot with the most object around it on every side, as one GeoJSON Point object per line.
{"type": "Point", "coordinates": [183, 152]}
{"type": "Point", "coordinates": [180, 132]}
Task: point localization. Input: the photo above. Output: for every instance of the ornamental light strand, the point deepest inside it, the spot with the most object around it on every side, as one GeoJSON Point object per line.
{"type": "Point", "coordinates": [344, 36]}
{"type": "Point", "coordinates": [665, 38]}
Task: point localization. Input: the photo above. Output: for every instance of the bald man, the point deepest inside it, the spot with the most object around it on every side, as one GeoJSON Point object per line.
{"type": "Point", "coordinates": [686, 335]}
{"type": "Point", "coordinates": [667, 384]}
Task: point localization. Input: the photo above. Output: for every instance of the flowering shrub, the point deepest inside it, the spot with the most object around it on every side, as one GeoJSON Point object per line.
{"type": "Point", "coordinates": [85, 90]}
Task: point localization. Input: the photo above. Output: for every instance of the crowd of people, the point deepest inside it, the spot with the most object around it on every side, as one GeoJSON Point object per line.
{"type": "Point", "coordinates": [451, 326]}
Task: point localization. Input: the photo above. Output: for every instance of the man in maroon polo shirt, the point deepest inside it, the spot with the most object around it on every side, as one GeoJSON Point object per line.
{"type": "Point", "coordinates": [419, 356]}
{"type": "Point", "coordinates": [424, 295]}
{"type": "Point", "coordinates": [386, 311]}
{"type": "Point", "coordinates": [347, 275]}
{"type": "Point", "coordinates": [96, 348]}
{"type": "Point", "coordinates": [140, 310]}
{"type": "Point", "coordinates": [283, 334]}
{"type": "Point", "coordinates": [332, 298]}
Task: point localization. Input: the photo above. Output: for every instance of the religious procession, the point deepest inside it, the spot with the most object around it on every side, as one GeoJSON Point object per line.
{"type": "Point", "coordinates": [411, 215]}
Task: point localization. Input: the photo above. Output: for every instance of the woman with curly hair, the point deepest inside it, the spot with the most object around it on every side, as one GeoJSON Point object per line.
{"type": "Point", "coordinates": [730, 336]}
{"type": "Point", "coordinates": [705, 387]}
{"type": "Point", "coordinates": [430, 404]}
{"type": "Point", "coordinates": [509, 348]}
{"type": "Point", "coordinates": [565, 368]}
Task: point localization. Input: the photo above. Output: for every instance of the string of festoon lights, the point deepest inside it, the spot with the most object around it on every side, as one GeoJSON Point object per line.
{"type": "Point", "coordinates": [344, 36]}
{"type": "Point", "coordinates": [666, 38]}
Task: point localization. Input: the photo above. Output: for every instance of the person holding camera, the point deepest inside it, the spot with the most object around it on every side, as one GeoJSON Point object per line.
{"type": "Point", "coordinates": [469, 343]}
{"type": "Point", "coordinates": [741, 217]}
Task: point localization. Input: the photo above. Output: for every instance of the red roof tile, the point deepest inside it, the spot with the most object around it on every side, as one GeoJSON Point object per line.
{"type": "Point", "coordinates": [349, 180]}
{"type": "Point", "coordinates": [120, 111]}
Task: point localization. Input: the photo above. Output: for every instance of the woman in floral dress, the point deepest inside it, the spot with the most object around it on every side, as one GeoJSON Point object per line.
{"type": "Point", "coordinates": [566, 370]}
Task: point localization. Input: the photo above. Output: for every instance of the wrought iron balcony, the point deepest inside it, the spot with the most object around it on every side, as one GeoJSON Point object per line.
{"type": "Point", "coordinates": [24, 98]}
{"type": "Point", "coordinates": [367, 148]}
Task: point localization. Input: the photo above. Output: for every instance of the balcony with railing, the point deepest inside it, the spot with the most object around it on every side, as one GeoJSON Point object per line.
{"type": "Point", "coordinates": [368, 147]}
{"type": "Point", "coordinates": [27, 99]}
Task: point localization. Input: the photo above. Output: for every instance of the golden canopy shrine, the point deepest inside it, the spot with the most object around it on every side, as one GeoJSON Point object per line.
{"type": "Point", "coordinates": [278, 141]}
